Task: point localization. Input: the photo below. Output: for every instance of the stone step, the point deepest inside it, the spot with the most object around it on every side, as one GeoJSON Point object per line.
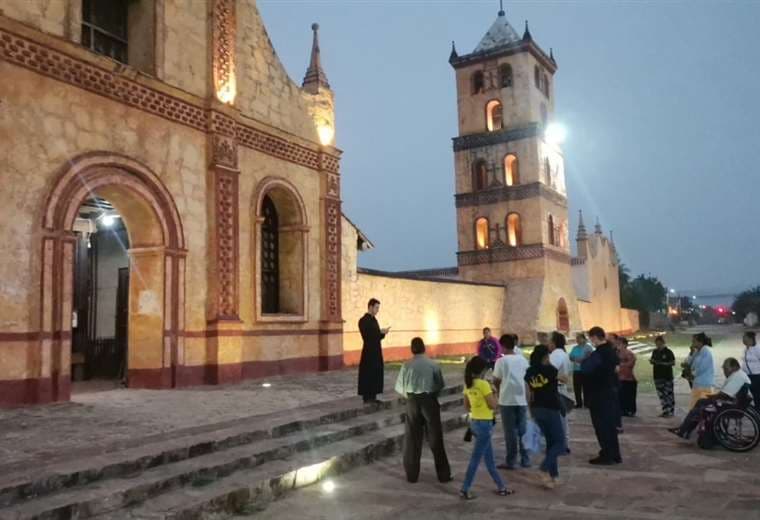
{"type": "Point", "coordinates": [251, 490]}
{"type": "Point", "coordinates": [32, 483]}
{"type": "Point", "coordinates": [109, 495]}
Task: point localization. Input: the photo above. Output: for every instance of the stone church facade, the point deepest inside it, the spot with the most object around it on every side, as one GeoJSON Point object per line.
{"type": "Point", "coordinates": [173, 206]}
{"type": "Point", "coordinates": [180, 125]}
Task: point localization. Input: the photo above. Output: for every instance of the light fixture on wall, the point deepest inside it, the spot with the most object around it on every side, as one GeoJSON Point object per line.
{"type": "Point", "coordinates": [108, 219]}
{"type": "Point", "coordinates": [326, 133]}
{"type": "Point", "coordinates": [555, 134]}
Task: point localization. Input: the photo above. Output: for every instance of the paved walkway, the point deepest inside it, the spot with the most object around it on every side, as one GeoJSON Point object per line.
{"type": "Point", "coordinates": [661, 478]}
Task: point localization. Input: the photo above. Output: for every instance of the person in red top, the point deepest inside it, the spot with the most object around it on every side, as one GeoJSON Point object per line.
{"type": "Point", "coordinates": [628, 383]}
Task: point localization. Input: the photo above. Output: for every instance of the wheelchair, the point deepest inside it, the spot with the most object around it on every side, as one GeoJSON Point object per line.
{"type": "Point", "coordinates": [733, 425]}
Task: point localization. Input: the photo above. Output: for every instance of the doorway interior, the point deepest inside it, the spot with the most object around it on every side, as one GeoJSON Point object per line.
{"type": "Point", "coordinates": [101, 297]}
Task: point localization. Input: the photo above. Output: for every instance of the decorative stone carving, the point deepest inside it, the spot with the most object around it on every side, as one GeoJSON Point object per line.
{"type": "Point", "coordinates": [225, 151]}
{"type": "Point", "coordinates": [226, 191]}
{"type": "Point", "coordinates": [333, 259]}
{"type": "Point", "coordinates": [224, 31]}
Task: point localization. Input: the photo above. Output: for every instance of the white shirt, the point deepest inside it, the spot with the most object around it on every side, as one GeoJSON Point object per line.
{"type": "Point", "coordinates": [561, 361]}
{"type": "Point", "coordinates": [751, 360]}
{"type": "Point", "coordinates": [734, 383]}
{"type": "Point", "coordinates": [510, 369]}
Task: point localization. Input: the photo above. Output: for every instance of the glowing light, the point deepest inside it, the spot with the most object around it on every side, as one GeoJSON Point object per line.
{"type": "Point", "coordinates": [266, 385]}
{"type": "Point", "coordinates": [227, 90]}
{"type": "Point", "coordinates": [108, 220]}
{"type": "Point", "coordinates": [311, 474]}
{"type": "Point", "coordinates": [326, 133]}
{"type": "Point", "coordinates": [328, 486]}
{"type": "Point", "coordinates": [555, 133]}
{"type": "Point", "coordinates": [672, 291]}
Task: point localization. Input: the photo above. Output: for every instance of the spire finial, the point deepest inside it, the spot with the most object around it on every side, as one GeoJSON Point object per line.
{"type": "Point", "coordinates": [551, 55]}
{"type": "Point", "coordinates": [598, 227]}
{"type": "Point", "coordinates": [315, 77]}
{"type": "Point", "coordinates": [526, 34]}
{"type": "Point", "coordinates": [582, 235]}
{"type": "Point", "coordinates": [501, 8]}
{"type": "Point", "coordinates": [453, 54]}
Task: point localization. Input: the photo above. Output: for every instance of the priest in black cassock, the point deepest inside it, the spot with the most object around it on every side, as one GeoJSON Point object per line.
{"type": "Point", "coordinates": [371, 364]}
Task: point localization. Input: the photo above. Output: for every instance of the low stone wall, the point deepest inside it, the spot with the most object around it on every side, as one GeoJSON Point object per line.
{"type": "Point", "coordinates": [611, 319]}
{"type": "Point", "coordinates": [448, 315]}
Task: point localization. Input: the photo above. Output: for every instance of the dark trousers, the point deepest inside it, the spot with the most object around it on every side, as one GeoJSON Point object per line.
{"type": "Point", "coordinates": [755, 389]}
{"type": "Point", "coordinates": [617, 411]}
{"type": "Point", "coordinates": [581, 394]}
{"type": "Point", "coordinates": [691, 421]}
{"type": "Point", "coordinates": [368, 398]}
{"type": "Point", "coordinates": [628, 397]}
{"type": "Point", "coordinates": [423, 415]}
{"type": "Point", "coordinates": [604, 417]}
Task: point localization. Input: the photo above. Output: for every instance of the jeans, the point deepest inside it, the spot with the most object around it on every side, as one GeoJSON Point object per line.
{"type": "Point", "coordinates": [550, 423]}
{"type": "Point", "coordinates": [514, 420]}
{"type": "Point", "coordinates": [482, 449]}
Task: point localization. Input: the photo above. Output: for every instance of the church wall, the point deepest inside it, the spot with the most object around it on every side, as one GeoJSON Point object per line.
{"type": "Point", "coordinates": [448, 316]}
{"type": "Point", "coordinates": [46, 124]}
{"type": "Point", "coordinates": [265, 91]}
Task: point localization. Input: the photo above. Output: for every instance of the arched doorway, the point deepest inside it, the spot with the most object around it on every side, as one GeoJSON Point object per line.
{"type": "Point", "coordinates": [156, 265]}
{"type": "Point", "coordinates": [563, 317]}
{"type": "Point", "coordinates": [280, 252]}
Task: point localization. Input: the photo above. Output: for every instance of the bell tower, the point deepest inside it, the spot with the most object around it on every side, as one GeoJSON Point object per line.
{"type": "Point", "coordinates": [511, 199]}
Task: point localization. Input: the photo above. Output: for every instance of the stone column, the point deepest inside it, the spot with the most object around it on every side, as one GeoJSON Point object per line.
{"type": "Point", "coordinates": [331, 336]}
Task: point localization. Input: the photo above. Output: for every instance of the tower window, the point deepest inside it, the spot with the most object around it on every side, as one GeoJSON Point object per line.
{"type": "Point", "coordinates": [479, 175]}
{"type": "Point", "coordinates": [537, 77]}
{"type": "Point", "coordinates": [478, 82]}
{"type": "Point", "coordinates": [511, 170]}
{"type": "Point", "coordinates": [505, 75]}
{"type": "Point", "coordinates": [494, 116]}
{"type": "Point", "coordinates": [104, 27]}
{"type": "Point", "coordinates": [547, 171]}
{"type": "Point", "coordinates": [514, 231]}
{"type": "Point", "coordinates": [546, 85]}
{"type": "Point", "coordinates": [481, 233]}
{"type": "Point", "coordinates": [550, 229]}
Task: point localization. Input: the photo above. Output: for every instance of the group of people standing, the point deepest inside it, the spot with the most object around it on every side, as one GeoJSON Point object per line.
{"type": "Point", "coordinates": [597, 374]}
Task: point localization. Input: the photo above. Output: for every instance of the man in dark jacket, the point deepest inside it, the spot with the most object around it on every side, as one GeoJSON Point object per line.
{"type": "Point", "coordinates": [371, 364]}
{"type": "Point", "coordinates": [600, 376]}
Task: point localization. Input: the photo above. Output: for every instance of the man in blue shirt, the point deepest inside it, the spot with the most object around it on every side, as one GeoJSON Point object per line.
{"type": "Point", "coordinates": [578, 354]}
{"type": "Point", "coordinates": [702, 367]}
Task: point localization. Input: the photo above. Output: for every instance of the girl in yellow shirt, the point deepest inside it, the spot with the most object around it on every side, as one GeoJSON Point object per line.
{"type": "Point", "coordinates": [480, 401]}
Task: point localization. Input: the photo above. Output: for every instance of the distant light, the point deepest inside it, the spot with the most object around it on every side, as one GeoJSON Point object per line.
{"type": "Point", "coordinates": [672, 291]}
{"type": "Point", "coordinates": [328, 486]}
{"type": "Point", "coordinates": [693, 297]}
{"type": "Point", "coordinates": [555, 133]}
{"type": "Point", "coordinates": [266, 385]}
{"type": "Point", "coordinates": [108, 220]}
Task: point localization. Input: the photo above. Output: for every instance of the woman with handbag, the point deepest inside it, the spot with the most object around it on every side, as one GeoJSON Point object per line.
{"type": "Point", "coordinates": [480, 402]}
{"type": "Point", "coordinates": [545, 409]}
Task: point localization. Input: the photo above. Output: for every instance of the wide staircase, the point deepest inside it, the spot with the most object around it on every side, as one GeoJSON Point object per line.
{"type": "Point", "coordinates": [235, 468]}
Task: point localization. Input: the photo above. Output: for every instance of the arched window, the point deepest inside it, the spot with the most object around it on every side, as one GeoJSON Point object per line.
{"type": "Point", "coordinates": [481, 233]}
{"type": "Point", "coordinates": [537, 76]}
{"type": "Point", "coordinates": [563, 316]}
{"type": "Point", "coordinates": [547, 171]}
{"type": "Point", "coordinates": [478, 82]}
{"type": "Point", "coordinates": [505, 75]}
{"type": "Point", "coordinates": [270, 258]}
{"type": "Point", "coordinates": [479, 175]}
{"type": "Point", "coordinates": [494, 114]}
{"type": "Point", "coordinates": [511, 170]}
{"type": "Point", "coordinates": [280, 242]}
{"type": "Point", "coordinates": [550, 230]}
{"type": "Point", "coordinates": [546, 85]}
{"type": "Point", "coordinates": [514, 230]}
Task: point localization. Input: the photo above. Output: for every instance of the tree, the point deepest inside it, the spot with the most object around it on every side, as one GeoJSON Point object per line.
{"type": "Point", "coordinates": [746, 302]}
{"type": "Point", "coordinates": [643, 293]}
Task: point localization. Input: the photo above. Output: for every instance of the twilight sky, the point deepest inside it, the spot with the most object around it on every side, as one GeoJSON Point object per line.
{"type": "Point", "coordinates": [660, 100]}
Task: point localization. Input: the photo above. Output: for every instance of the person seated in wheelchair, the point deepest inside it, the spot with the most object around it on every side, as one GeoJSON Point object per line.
{"type": "Point", "coordinates": [736, 380]}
